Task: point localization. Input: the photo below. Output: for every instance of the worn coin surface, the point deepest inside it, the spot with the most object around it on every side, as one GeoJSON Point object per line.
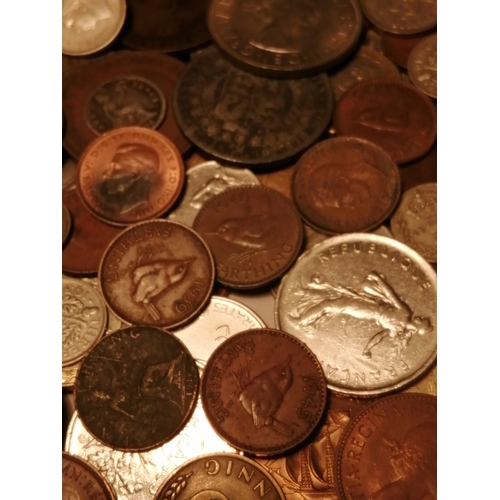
{"type": "Point", "coordinates": [393, 115]}
{"type": "Point", "coordinates": [136, 388]}
{"type": "Point", "coordinates": [158, 273]}
{"type": "Point", "coordinates": [138, 475]}
{"type": "Point", "coordinates": [280, 38]}
{"type": "Point", "coordinates": [221, 476]}
{"type": "Point", "coordinates": [398, 47]}
{"type": "Point", "coordinates": [81, 481]}
{"type": "Point", "coordinates": [390, 450]}
{"type": "Point", "coordinates": [129, 175]}
{"type": "Point", "coordinates": [366, 306]}
{"type": "Point", "coordinates": [89, 26]}
{"type": "Point", "coordinates": [242, 118]}
{"type": "Point", "coordinates": [345, 185]}
{"type": "Point", "coordinates": [203, 182]}
{"type": "Point", "coordinates": [254, 233]}
{"type": "Point", "coordinates": [421, 171]}
{"type": "Point", "coordinates": [415, 220]}
{"type": "Point", "coordinates": [66, 223]}
{"type": "Point", "coordinates": [422, 66]}
{"type": "Point", "coordinates": [84, 318]}
{"type": "Point", "coordinates": [263, 391]}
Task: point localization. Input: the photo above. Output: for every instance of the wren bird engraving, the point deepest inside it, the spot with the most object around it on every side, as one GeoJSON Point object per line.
{"type": "Point", "coordinates": [155, 278]}
{"type": "Point", "coordinates": [262, 396]}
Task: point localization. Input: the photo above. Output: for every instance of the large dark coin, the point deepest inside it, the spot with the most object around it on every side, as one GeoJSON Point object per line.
{"type": "Point", "coordinates": [242, 118]}
{"type": "Point", "coordinates": [263, 391]}
{"type": "Point", "coordinates": [120, 89]}
{"type": "Point", "coordinates": [283, 38]}
{"type": "Point", "coordinates": [165, 26]}
{"type": "Point", "coordinates": [136, 388]}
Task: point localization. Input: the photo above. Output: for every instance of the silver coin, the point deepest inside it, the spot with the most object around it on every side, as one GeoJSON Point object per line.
{"type": "Point", "coordinates": [366, 306]}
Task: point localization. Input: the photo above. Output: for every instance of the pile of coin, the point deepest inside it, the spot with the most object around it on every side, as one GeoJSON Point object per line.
{"type": "Point", "coordinates": [249, 249]}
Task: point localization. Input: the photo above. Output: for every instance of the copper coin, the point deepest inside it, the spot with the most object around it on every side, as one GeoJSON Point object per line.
{"type": "Point", "coordinates": [402, 18]}
{"type": "Point", "coordinates": [390, 450]}
{"type": "Point", "coordinates": [280, 38]}
{"type": "Point", "coordinates": [254, 233]}
{"type": "Point", "coordinates": [157, 273]}
{"type": "Point", "coordinates": [81, 481]}
{"type": "Point", "coordinates": [345, 185]}
{"type": "Point", "coordinates": [165, 26]}
{"type": "Point", "coordinates": [66, 224]}
{"type": "Point", "coordinates": [398, 47]}
{"type": "Point", "coordinates": [242, 118]}
{"type": "Point", "coordinates": [221, 476]}
{"type": "Point", "coordinates": [393, 115]}
{"type": "Point", "coordinates": [263, 391]}
{"type": "Point", "coordinates": [89, 238]}
{"type": "Point", "coordinates": [136, 388]}
{"type": "Point", "coordinates": [84, 80]}
{"type": "Point", "coordinates": [420, 171]}
{"type": "Point", "coordinates": [129, 175]}
{"type": "Point", "coordinates": [422, 66]}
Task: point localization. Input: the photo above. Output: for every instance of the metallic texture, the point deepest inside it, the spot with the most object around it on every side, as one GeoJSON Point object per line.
{"type": "Point", "coordinates": [422, 66]}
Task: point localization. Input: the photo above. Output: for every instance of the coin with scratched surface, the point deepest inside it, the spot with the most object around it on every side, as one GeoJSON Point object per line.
{"type": "Point", "coordinates": [223, 476]}
{"type": "Point", "coordinates": [366, 306]}
{"type": "Point", "coordinates": [159, 273]}
{"type": "Point", "coordinates": [129, 175]}
{"type": "Point", "coordinates": [263, 391]}
{"type": "Point", "coordinates": [254, 233]}
{"type": "Point", "coordinates": [422, 66]}
{"type": "Point", "coordinates": [389, 451]}
{"type": "Point", "coordinates": [281, 38]}
{"type": "Point", "coordinates": [81, 481]}
{"type": "Point", "coordinates": [242, 118]}
{"type": "Point", "coordinates": [136, 388]}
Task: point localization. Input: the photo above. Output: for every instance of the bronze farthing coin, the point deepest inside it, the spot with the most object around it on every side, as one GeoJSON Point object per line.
{"type": "Point", "coordinates": [254, 233]}
{"type": "Point", "coordinates": [129, 175]}
{"type": "Point", "coordinates": [242, 118]}
{"type": "Point", "coordinates": [390, 450]}
{"type": "Point", "coordinates": [422, 66]}
{"type": "Point", "coordinates": [415, 221]}
{"type": "Point", "coordinates": [84, 79]}
{"type": "Point", "coordinates": [345, 185]}
{"type": "Point", "coordinates": [136, 388]}
{"type": "Point", "coordinates": [280, 38]}
{"type": "Point", "coordinates": [66, 223]}
{"type": "Point", "coordinates": [89, 238]}
{"type": "Point", "coordinates": [81, 481]}
{"type": "Point", "coordinates": [165, 26]}
{"type": "Point", "coordinates": [393, 115]}
{"type": "Point", "coordinates": [263, 391]}
{"type": "Point", "coordinates": [89, 26]}
{"type": "Point", "coordinates": [221, 476]}
{"type": "Point", "coordinates": [158, 273]}
{"type": "Point", "coordinates": [403, 18]}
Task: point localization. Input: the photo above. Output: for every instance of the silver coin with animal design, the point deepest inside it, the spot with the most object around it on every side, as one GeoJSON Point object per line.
{"type": "Point", "coordinates": [263, 391]}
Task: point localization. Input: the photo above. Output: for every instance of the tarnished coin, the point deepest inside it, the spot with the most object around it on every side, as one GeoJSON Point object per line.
{"type": "Point", "coordinates": [263, 391]}
{"type": "Point", "coordinates": [66, 223]}
{"type": "Point", "coordinates": [223, 476]}
{"type": "Point", "coordinates": [158, 273]}
{"type": "Point", "coordinates": [422, 66]}
{"type": "Point", "coordinates": [129, 175]}
{"type": "Point", "coordinates": [254, 233]}
{"type": "Point", "coordinates": [136, 388]}
{"type": "Point", "coordinates": [415, 220]}
{"type": "Point", "coordinates": [393, 115]}
{"type": "Point", "coordinates": [203, 182]}
{"type": "Point", "coordinates": [165, 26]}
{"type": "Point", "coordinates": [138, 475]}
{"type": "Point", "coordinates": [103, 84]}
{"type": "Point", "coordinates": [345, 185]}
{"type": "Point", "coordinates": [89, 238]}
{"type": "Point", "coordinates": [242, 118]}
{"type": "Point", "coordinates": [220, 319]}
{"type": "Point", "coordinates": [84, 319]}
{"type": "Point", "coordinates": [280, 38]}
{"type": "Point", "coordinates": [390, 450]}
{"type": "Point", "coordinates": [398, 47]}
{"type": "Point", "coordinates": [90, 25]}
{"type": "Point", "coordinates": [403, 18]}
{"type": "Point", "coordinates": [81, 481]}
{"type": "Point", "coordinates": [280, 180]}
{"type": "Point", "coordinates": [421, 171]}
{"type": "Point", "coordinates": [366, 306]}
